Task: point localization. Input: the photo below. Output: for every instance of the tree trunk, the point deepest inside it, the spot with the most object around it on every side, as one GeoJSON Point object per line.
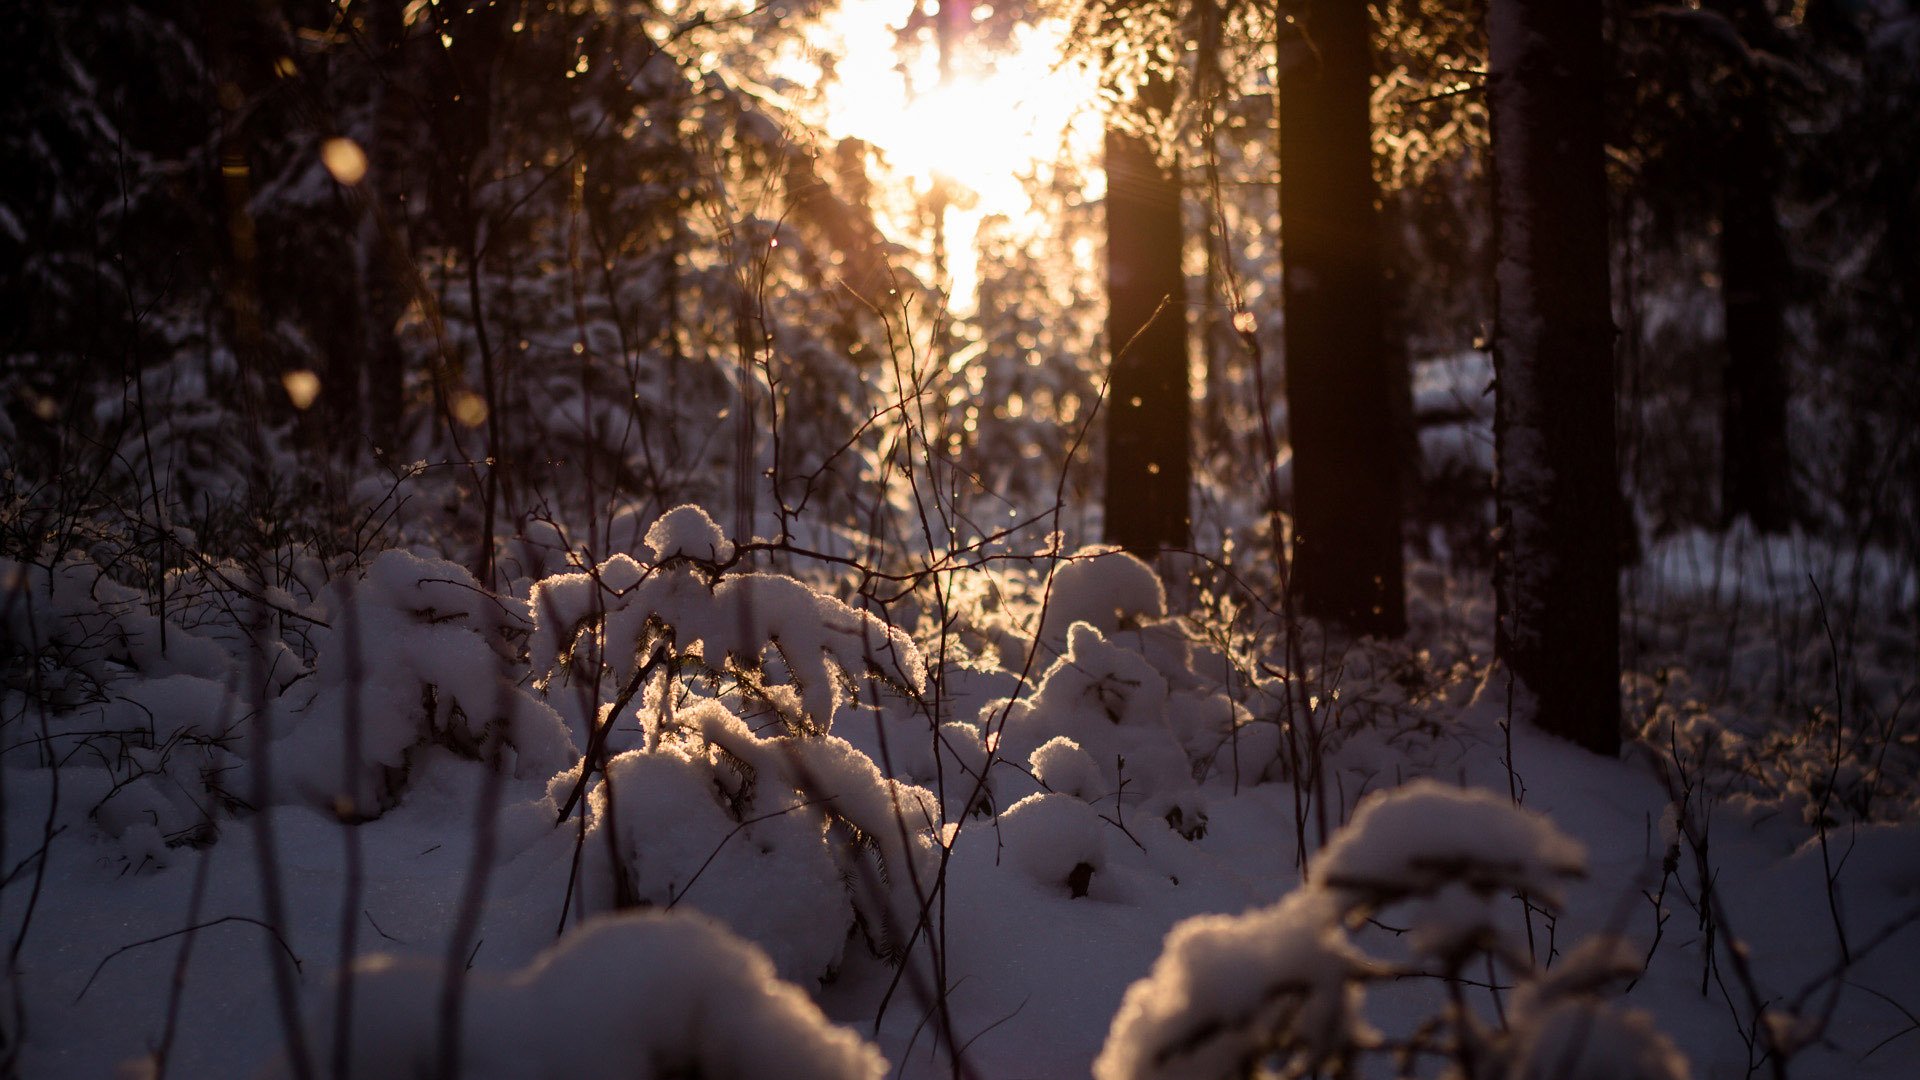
{"type": "Point", "coordinates": [1557, 572]}
{"type": "Point", "coordinates": [1340, 396]}
{"type": "Point", "coordinates": [1756, 473]}
{"type": "Point", "coordinates": [1148, 441]}
{"type": "Point", "coordinates": [386, 262]}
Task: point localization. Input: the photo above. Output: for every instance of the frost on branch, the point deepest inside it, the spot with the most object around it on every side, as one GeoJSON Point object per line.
{"type": "Point", "coordinates": [638, 995]}
{"type": "Point", "coordinates": [1230, 991]}
{"type": "Point", "coordinates": [768, 630]}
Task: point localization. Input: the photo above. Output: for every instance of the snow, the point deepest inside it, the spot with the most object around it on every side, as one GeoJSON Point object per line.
{"type": "Point", "coordinates": [1103, 587]}
{"type": "Point", "coordinates": [1423, 835]}
{"type": "Point", "coordinates": [641, 994]}
{"type": "Point", "coordinates": [1127, 868]}
{"type": "Point", "coordinates": [687, 531]}
{"type": "Point", "coordinates": [1228, 990]}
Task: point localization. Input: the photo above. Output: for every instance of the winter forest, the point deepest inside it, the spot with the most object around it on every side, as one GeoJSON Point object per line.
{"type": "Point", "coordinates": [962, 539]}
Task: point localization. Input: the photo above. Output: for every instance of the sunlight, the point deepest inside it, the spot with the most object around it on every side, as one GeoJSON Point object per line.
{"type": "Point", "coordinates": [1002, 115]}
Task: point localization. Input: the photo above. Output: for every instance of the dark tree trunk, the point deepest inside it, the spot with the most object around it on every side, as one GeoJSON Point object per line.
{"type": "Point", "coordinates": [386, 262]}
{"type": "Point", "coordinates": [1341, 415]}
{"type": "Point", "coordinates": [1557, 573]}
{"type": "Point", "coordinates": [1756, 471]}
{"type": "Point", "coordinates": [1148, 440]}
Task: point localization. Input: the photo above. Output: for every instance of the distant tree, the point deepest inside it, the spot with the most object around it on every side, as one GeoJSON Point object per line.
{"type": "Point", "coordinates": [381, 242]}
{"type": "Point", "coordinates": [1557, 571]}
{"type": "Point", "coordinates": [1341, 403]}
{"type": "Point", "coordinates": [1755, 275]}
{"type": "Point", "coordinates": [1148, 436]}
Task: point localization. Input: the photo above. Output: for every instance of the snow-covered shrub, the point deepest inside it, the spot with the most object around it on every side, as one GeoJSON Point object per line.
{"type": "Point", "coordinates": [140, 715]}
{"type": "Point", "coordinates": [785, 644]}
{"type": "Point", "coordinates": [1110, 704]}
{"type": "Point", "coordinates": [72, 632]}
{"type": "Point", "coordinates": [633, 996]}
{"type": "Point", "coordinates": [1056, 840]}
{"type": "Point", "coordinates": [1104, 587]}
{"type": "Point", "coordinates": [795, 841]}
{"type": "Point", "coordinates": [1282, 986]}
{"type": "Point", "coordinates": [1229, 992]}
{"type": "Point", "coordinates": [414, 655]}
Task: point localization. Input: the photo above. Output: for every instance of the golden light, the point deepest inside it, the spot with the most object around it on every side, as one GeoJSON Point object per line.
{"type": "Point", "coordinates": [999, 116]}
{"type": "Point", "coordinates": [345, 160]}
{"type": "Point", "coordinates": [302, 387]}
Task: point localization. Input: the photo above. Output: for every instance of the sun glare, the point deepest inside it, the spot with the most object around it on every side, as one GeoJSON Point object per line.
{"type": "Point", "coordinates": [1000, 115]}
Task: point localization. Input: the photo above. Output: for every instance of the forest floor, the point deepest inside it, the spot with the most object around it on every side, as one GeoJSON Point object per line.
{"type": "Point", "coordinates": [1757, 848]}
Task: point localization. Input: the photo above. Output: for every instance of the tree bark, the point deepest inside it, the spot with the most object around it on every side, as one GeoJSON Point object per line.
{"type": "Point", "coordinates": [386, 264]}
{"type": "Point", "coordinates": [1340, 397]}
{"type": "Point", "coordinates": [1756, 470]}
{"type": "Point", "coordinates": [1148, 437]}
{"type": "Point", "coordinates": [1557, 570]}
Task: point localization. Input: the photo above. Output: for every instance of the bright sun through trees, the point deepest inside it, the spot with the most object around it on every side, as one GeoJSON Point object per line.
{"type": "Point", "coordinates": [964, 143]}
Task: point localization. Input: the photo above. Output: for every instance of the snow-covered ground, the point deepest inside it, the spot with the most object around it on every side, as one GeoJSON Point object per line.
{"type": "Point", "coordinates": [842, 840]}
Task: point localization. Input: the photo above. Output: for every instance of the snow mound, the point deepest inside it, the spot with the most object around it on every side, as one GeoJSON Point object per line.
{"type": "Point", "coordinates": [1103, 586]}
{"type": "Point", "coordinates": [1112, 704]}
{"type": "Point", "coordinates": [1061, 765]}
{"type": "Point", "coordinates": [1228, 990]}
{"type": "Point", "coordinates": [414, 655]}
{"type": "Point", "coordinates": [1055, 840]}
{"type": "Point", "coordinates": [1584, 1039]}
{"type": "Point", "coordinates": [637, 995]}
{"type": "Point", "coordinates": [1416, 839]}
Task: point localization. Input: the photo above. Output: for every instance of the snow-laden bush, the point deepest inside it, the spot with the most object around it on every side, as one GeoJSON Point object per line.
{"type": "Point", "coordinates": [786, 644]}
{"type": "Point", "coordinates": [789, 834]}
{"type": "Point", "coordinates": [1282, 987]}
{"type": "Point", "coordinates": [138, 711]}
{"type": "Point", "coordinates": [795, 841]}
{"type": "Point", "coordinates": [632, 996]}
{"type": "Point", "coordinates": [71, 632]}
{"type": "Point", "coordinates": [1110, 704]}
{"type": "Point", "coordinates": [415, 654]}
{"type": "Point", "coordinates": [1104, 587]}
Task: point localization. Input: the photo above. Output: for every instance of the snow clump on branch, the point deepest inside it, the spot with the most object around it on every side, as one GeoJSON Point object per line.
{"type": "Point", "coordinates": [767, 630]}
{"type": "Point", "coordinates": [1282, 986]}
